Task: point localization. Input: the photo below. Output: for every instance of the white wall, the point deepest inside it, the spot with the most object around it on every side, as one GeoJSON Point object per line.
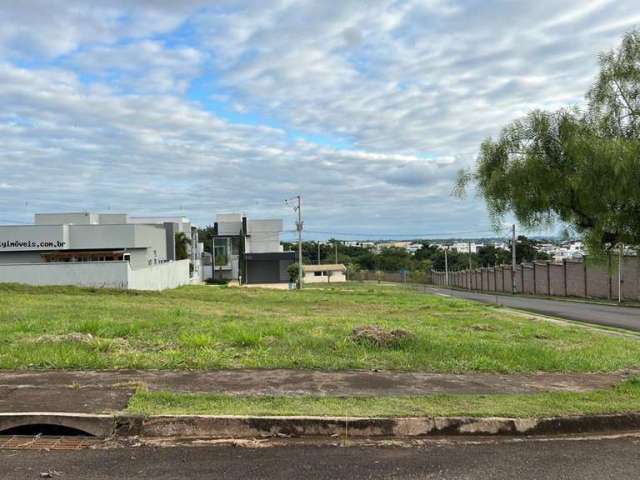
{"type": "Point", "coordinates": [112, 218]}
{"type": "Point", "coordinates": [98, 274]}
{"type": "Point", "coordinates": [310, 277]}
{"type": "Point", "coordinates": [264, 236]}
{"type": "Point", "coordinates": [17, 238]}
{"type": "Point", "coordinates": [87, 274]}
{"type": "Point", "coordinates": [161, 276]}
{"type": "Point", "coordinates": [229, 223]}
{"type": "Point", "coordinates": [184, 224]}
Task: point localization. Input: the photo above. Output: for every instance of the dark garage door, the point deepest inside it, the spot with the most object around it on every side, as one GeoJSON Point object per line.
{"type": "Point", "coordinates": [263, 271]}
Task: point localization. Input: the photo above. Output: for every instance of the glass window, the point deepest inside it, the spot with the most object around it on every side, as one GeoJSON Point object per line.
{"type": "Point", "coordinates": [221, 251]}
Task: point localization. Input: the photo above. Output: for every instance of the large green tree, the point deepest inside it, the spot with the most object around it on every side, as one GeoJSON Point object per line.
{"type": "Point", "coordinates": [579, 167]}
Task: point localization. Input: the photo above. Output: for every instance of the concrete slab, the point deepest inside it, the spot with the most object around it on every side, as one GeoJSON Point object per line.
{"type": "Point", "coordinates": [283, 382]}
{"type": "Point", "coordinates": [52, 398]}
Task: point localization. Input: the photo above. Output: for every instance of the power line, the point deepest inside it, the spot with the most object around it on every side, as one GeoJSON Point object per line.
{"type": "Point", "coordinates": [395, 235]}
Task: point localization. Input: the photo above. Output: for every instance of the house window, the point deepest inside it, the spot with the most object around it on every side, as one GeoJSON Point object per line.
{"type": "Point", "coordinates": [221, 251]}
{"type": "Point", "coordinates": [318, 274]}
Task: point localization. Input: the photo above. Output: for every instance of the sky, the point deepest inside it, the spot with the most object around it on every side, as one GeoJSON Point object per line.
{"type": "Point", "coordinates": [366, 108]}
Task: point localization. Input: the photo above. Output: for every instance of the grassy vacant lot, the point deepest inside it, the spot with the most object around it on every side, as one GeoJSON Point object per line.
{"type": "Point", "coordinates": [204, 327]}
{"type": "Point", "coordinates": [620, 399]}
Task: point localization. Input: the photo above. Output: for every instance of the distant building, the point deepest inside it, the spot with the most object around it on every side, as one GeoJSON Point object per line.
{"type": "Point", "coordinates": [324, 273]}
{"type": "Point", "coordinates": [249, 251]}
{"type": "Point", "coordinates": [359, 244]}
{"type": "Point", "coordinates": [410, 247]}
{"type": "Point", "coordinates": [94, 249]}
{"type": "Point", "coordinates": [463, 247]}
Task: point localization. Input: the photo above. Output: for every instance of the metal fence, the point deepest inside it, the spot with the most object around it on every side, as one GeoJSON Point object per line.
{"type": "Point", "coordinates": [589, 278]}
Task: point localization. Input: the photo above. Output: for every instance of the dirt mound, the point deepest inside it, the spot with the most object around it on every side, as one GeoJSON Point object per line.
{"type": "Point", "coordinates": [378, 336]}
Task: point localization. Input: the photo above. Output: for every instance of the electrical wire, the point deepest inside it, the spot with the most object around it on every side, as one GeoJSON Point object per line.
{"type": "Point", "coordinates": [398, 235]}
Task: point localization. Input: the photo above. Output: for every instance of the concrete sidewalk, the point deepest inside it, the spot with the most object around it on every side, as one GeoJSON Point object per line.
{"type": "Point", "coordinates": [108, 391]}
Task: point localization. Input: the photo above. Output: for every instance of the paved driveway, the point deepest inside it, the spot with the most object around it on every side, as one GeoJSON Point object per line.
{"type": "Point", "coordinates": [627, 318]}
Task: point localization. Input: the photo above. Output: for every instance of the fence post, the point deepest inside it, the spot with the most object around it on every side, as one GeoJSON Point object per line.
{"type": "Point", "coordinates": [535, 289]}
{"type": "Point", "coordinates": [522, 278]}
{"type": "Point", "coordinates": [584, 264]}
{"type": "Point", "coordinates": [564, 275]}
{"type": "Point", "coordinates": [548, 278]}
{"type": "Point", "coordinates": [609, 275]}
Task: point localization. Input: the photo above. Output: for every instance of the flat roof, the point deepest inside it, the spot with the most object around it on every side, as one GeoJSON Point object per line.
{"type": "Point", "coordinates": [330, 267]}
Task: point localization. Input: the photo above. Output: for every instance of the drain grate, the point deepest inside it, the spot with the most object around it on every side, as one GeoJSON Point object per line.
{"type": "Point", "coordinates": [21, 442]}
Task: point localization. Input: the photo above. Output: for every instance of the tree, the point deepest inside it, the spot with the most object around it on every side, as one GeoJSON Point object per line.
{"type": "Point", "coordinates": [394, 259]}
{"type": "Point", "coordinates": [182, 246]}
{"type": "Point", "coordinates": [206, 235]}
{"type": "Point", "coordinates": [368, 261]}
{"type": "Point", "coordinates": [294, 272]}
{"type": "Point", "coordinates": [490, 255]}
{"type": "Point", "coordinates": [579, 168]}
{"type": "Point", "coordinates": [526, 251]}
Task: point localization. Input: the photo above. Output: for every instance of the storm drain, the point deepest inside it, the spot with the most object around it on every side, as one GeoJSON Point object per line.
{"type": "Point", "coordinates": [41, 436]}
{"type": "Point", "coordinates": [24, 442]}
{"type": "Point", "coordinates": [45, 429]}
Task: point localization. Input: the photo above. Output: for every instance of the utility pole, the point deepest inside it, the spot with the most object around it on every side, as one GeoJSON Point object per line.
{"type": "Point", "coordinates": [318, 252]}
{"type": "Point", "coordinates": [513, 259]}
{"type": "Point", "coordinates": [336, 244]}
{"type": "Point", "coordinates": [299, 225]}
{"type": "Point", "coordinates": [446, 266]}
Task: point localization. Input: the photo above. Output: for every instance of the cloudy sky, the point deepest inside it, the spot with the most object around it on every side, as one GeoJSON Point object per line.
{"type": "Point", "coordinates": [368, 108]}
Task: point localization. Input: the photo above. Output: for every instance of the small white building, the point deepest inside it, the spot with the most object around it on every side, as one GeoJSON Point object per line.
{"type": "Point", "coordinates": [324, 273]}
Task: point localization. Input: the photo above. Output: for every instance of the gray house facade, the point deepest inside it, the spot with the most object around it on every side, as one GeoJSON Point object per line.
{"type": "Point", "coordinates": [249, 251]}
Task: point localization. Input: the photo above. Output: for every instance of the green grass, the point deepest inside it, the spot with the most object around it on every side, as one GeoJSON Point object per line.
{"type": "Point", "coordinates": [620, 399]}
{"type": "Point", "coordinates": [210, 327]}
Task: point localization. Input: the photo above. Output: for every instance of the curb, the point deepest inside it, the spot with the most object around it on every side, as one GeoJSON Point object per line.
{"type": "Point", "coordinates": [251, 427]}
{"type": "Point", "coordinates": [232, 427]}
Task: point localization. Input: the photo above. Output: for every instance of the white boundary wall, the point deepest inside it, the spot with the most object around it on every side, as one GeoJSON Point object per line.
{"type": "Point", "coordinates": [87, 274]}
{"type": "Point", "coordinates": [335, 277]}
{"type": "Point", "coordinates": [161, 276]}
{"type": "Point", "coordinates": [98, 274]}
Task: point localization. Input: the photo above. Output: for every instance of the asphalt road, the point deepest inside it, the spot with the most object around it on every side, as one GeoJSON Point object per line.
{"type": "Point", "coordinates": [571, 459]}
{"type": "Point", "coordinates": [627, 318]}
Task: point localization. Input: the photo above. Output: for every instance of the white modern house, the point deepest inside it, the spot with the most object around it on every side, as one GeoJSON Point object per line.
{"type": "Point", "coordinates": [249, 251]}
{"type": "Point", "coordinates": [94, 249]}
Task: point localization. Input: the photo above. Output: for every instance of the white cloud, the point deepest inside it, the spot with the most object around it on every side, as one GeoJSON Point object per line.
{"type": "Point", "coordinates": [143, 66]}
{"type": "Point", "coordinates": [97, 110]}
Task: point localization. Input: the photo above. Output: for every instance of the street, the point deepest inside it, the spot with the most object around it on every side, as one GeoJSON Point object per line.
{"type": "Point", "coordinates": [627, 318]}
{"type": "Point", "coordinates": [585, 459]}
